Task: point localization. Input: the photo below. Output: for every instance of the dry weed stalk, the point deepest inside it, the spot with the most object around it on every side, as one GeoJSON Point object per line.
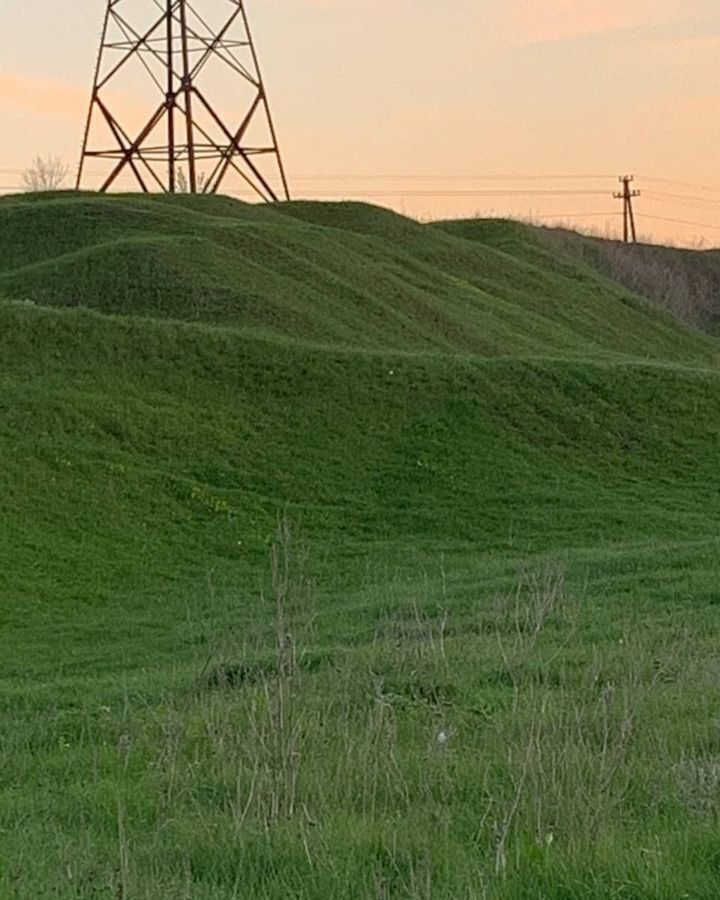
{"type": "Point", "coordinates": [282, 745]}
{"type": "Point", "coordinates": [123, 881]}
{"type": "Point", "coordinates": [537, 598]}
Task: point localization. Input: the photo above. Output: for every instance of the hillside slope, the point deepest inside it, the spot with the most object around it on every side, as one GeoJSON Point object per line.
{"type": "Point", "coordinates": [483, 665]}
{"type": "Point", "coordinates": [124, 432]}
{"type": "Point", "coordinates": [685, 283]}
{"type": "Point", "coordinates": [343, 275]}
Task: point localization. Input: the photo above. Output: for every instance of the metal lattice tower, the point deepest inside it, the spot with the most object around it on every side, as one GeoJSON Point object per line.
{"type": "Point", "coordinates": [178, 102]}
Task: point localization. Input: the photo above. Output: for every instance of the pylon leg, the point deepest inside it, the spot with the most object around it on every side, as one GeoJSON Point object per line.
{"type": "Point", "coordinates": [180, 60]}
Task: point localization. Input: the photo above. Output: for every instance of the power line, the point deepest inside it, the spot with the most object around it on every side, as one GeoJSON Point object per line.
{"type": "Point", "coordinates": [683, 198]}
{"type": "Point", "coordinates": [687, 184]}
{"type": "Point", "coordinates": [395, 192]}
{"type": "Point", "coordinates": [577, 215]}
{"type": "Point", "coordinates": [682, 222]}
{"type": "Point", "coordinates": [417, 176]}
{"type": "Point", "coordinates": [432, 192]}
{"type": "Point", "coordinates": [444, 177]}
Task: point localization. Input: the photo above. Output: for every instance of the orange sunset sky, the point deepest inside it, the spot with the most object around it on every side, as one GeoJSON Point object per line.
{"type": "Point", "coordinates": [440, 107]}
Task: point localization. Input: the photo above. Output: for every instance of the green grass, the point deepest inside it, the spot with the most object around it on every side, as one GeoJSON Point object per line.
{"type": "Point", "coordinates": [483, 663]}
{"type": "Point", "coordinates": [683, 282]}
{"type": "Point", "coordinates": [342, 275]}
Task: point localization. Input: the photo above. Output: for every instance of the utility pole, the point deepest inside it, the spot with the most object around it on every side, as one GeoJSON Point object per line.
{"type": "Point", "coordinates": [178, 101]}
{"type": "Point", "coordinates": [627, 194]}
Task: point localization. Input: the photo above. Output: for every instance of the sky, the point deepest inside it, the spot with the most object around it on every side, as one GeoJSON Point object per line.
{"type": "Point", "coordinates": [440, 108]}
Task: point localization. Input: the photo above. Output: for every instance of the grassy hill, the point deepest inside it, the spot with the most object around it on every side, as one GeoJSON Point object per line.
{"type": "Point", "coordinates": [480, 663]}
{"type": "Point", "coordinates": [685, 283]}
{"type": "Point", "coordinates": [343, 275]}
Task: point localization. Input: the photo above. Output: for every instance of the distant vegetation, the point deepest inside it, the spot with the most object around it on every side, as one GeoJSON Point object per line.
{"type": "Point", "coordinates": [686, 283]}
{"type": "Point", "coordinates": [45, 174]}
{"type": "Point", "coordinates": [350, 558]}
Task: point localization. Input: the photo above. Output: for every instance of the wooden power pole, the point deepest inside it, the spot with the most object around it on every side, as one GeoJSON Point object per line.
{"type": "Point", "coordinates": [626, 195]}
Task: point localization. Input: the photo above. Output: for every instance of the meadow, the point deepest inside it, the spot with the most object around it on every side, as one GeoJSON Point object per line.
{"type": "Point", "coordinates": [347, 557]}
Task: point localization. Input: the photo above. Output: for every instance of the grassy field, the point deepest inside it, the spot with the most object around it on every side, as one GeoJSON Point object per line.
{"type": "Point", "coordinates": [347, 558]}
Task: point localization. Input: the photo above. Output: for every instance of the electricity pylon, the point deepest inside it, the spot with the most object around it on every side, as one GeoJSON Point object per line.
{"type": "Point", "coordinates": [629, 233]}
{"type": "Point", "coordinates": [178, 102]}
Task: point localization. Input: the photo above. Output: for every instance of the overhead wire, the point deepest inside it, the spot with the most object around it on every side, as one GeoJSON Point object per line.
{"type": "Point", "coordinates": [714, 189]}
{"type": "Point", "coordinates": [682, 200]}
{"type": "Point", "coordinates": [681, 222]}
{"type": "Point", "coordinates": [444, 177]}
{"type": "Point", "coordinates": [577, 215]}
{"type": "Point", "coordinates": [421, 176]}
{"type": "Point", "coordinates": [394, 192]}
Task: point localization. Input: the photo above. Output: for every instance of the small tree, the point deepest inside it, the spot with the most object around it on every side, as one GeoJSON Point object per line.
{"type": "Point", "coordinates": [45, 174]}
